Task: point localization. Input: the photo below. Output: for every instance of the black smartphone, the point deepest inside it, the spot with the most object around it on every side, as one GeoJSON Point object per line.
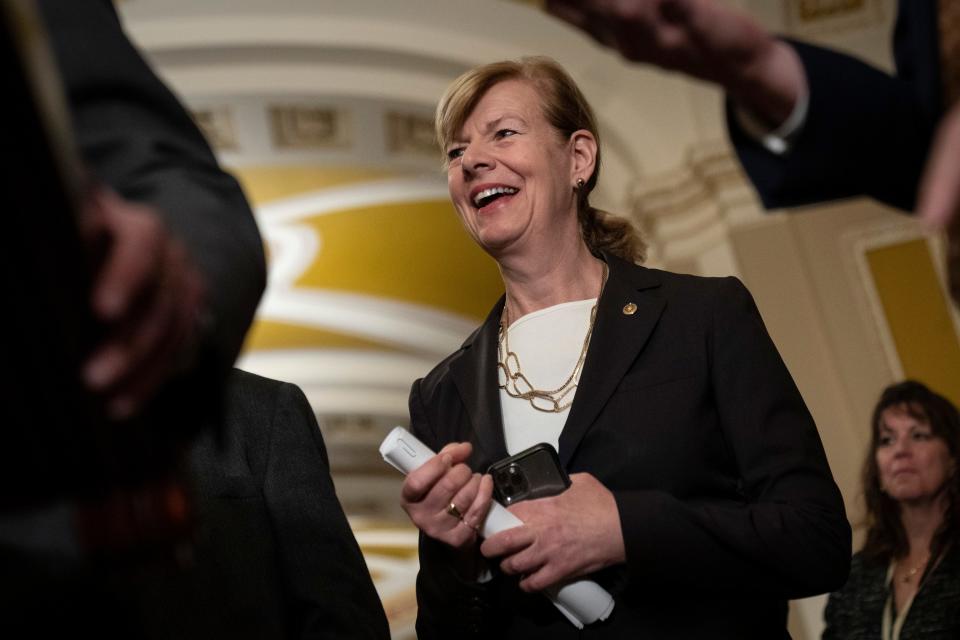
{"type": "Point", "coordinates": [532, 473]}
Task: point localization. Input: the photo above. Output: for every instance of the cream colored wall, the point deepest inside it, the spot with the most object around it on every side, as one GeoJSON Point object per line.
{"type": "Point", "coordinates": [808, 273]}
{"type": "Point", "coordinates": [797, 295]}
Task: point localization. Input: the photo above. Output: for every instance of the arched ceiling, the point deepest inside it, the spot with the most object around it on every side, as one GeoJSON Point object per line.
{"type": "Point", "coordinates": [323, 110]}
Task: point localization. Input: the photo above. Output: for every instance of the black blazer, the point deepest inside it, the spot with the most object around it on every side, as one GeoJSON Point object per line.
{"type": "Point", "coordinates": [276, 556]}
{"type": "Point", "coordinates": [856, 611]}
{"type": "Point", "coordinates": [686, 412]}
{"type": "Point", "coordinates": [867, 132]}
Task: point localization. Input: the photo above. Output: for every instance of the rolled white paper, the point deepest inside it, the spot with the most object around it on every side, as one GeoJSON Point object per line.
{"type": "Point", "coordinates": [581, 602]}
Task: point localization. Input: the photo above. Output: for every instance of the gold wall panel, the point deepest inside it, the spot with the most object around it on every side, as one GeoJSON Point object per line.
{"type": "Point", "coordinates": [264, 184]}
{"type": "Point", "coordinates": [812, 17]}
{"type": "Point", "coordinates": [412, 252]}
{"type": "Point", "coordinates": [415, 252]}
{"type": "Point", "coordinates": [808, 10]}
{"type": "Point", "coordinates": [917, 314]}
{"type": "Point", "coordinates": [271, 334]}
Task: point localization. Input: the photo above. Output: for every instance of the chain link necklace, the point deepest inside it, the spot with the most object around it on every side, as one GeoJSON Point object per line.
{"type": "Point", "coordinates": [512, 379]}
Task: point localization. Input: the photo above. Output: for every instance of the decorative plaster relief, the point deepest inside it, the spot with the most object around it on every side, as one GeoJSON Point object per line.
{"type": "Point", "coordinates": [688, 211]}
{"type": "Point", "coordinates": [216, 124]}
{"type": "Point", "coordinates": [309, 127]}
{"type": "Point", "coordinates": [410, 133]}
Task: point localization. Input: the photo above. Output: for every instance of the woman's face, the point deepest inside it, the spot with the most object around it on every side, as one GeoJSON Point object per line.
{"type": "Point", "coordinates": [510, 174]}
{"type": "Point", "coordinates": [914, 463]}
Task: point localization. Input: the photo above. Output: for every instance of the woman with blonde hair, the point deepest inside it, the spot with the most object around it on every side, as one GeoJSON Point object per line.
{"type": "Point", "coordinates": [700, 497]}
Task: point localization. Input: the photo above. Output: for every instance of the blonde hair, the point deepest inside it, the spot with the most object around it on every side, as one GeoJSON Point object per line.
{"type": "Point", "coordinates": [567, 111]}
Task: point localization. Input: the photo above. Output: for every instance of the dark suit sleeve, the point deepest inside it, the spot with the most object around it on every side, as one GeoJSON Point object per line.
{"type": "Point", "coordinates": [866, 133]}
{"type": "Point", "coordinates": [787, 535]}
{"type": "Point", "coordinates": [328, 590]}
{"type": "Point", "coordinates": [136, 138]}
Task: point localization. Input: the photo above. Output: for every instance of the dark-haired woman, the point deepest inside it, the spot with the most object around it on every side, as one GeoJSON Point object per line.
{"type": "Point", "coordinates": [905, 583]}
{"type": "Point", "coordinates": [700, 497]}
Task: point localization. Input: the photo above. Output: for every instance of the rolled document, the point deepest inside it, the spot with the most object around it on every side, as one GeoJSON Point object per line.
{"type": "Point", "coordinates": [582, 602]}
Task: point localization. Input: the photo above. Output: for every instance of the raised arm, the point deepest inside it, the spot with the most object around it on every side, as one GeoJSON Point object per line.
{"type": "Point", "coordinates": [187, 214]}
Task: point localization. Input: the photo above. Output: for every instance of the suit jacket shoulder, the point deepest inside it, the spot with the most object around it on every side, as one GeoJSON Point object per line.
{"type": "Point", "coordinates": [277, 538]}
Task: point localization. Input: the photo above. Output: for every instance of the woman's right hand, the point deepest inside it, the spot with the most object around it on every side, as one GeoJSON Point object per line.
{"type": "Point", "coordinates": [443, 480]}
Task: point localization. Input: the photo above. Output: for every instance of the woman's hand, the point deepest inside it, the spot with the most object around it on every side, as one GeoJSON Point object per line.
{"type": "Point", "coordinates": [563, 537]}
{"type": "Point", "coordinates": [443, 480]}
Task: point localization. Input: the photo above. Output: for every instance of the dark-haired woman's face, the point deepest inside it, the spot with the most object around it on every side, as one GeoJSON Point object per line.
{"type": "Point", "coordinates": [510, 175]}
{"type": "Point", "coordinates": [914, 464]}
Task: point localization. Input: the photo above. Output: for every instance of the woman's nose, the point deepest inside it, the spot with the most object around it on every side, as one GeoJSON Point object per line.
{"type": "Point", "coordinates": [901, 447]}
{"type": "Point", "coordinates": [476, 158]}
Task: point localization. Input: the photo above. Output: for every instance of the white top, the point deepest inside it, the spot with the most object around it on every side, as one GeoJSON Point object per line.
{"type": "Point", "coordinates": [548, 343]}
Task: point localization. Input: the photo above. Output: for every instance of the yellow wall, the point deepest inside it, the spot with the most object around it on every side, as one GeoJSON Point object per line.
{"type": "Point", "coordinates": [918, 315]}
{"type": "Point", "coordinates": [413, 252]}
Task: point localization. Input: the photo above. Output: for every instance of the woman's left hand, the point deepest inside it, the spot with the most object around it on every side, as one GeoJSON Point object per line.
{"type": "Point", "coordinates": [562, 537]}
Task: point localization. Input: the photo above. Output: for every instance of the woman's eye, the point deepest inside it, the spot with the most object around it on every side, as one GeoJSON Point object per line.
{"type": "Point", "coordinates": [454, 153]}
{"type": "Point", "coordinates": [883, 441]}
{"type": "Point", "coordinates": [922, 435]}
{"type": "Point", "coordinates": [505, 133]}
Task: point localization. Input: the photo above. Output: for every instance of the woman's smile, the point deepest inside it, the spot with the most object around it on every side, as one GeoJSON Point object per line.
{"type": "Point", "coordinates": [489, 197]}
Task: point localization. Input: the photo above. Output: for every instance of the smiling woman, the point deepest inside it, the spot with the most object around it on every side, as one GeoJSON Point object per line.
{"type": "Point", "coordinates": [700, 496]}
{"type": "Point", "coordinates": [510, 173]}
{"type": "Point", "coordinates": [906, 581]}
{"type": "Point", "coordinates": [512, 122]}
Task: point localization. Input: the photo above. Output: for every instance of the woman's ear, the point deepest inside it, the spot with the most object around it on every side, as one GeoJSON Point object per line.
{"type": "Point", "coordinates": [583, 150]}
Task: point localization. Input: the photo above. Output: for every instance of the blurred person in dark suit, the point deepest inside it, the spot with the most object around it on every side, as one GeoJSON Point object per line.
{"type": "Point", "coordinates": [274, 543]}
{"type": "Point", "coordinates": [176, 272]}
{"type": "Point", "coordinates": [184, 268]}
{"type": "Point", "coordinates": [810, 124]}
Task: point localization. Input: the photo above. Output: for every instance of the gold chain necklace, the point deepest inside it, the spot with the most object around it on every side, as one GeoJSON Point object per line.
{"type": "Point", "coordinates": [911, 572]}
{"type": "Point", "coordinates": [512, 379]}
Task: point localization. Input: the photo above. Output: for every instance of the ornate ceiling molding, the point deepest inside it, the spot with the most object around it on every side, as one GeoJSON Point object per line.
{"type": "Point", "coordinates": [688, 211]}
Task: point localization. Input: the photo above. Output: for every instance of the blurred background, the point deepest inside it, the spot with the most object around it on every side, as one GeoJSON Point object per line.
{"type": "Point", "coordinates": [323, 110]}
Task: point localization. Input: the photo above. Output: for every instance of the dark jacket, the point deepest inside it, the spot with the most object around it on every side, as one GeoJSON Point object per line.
{"type": "Point", "coordinates": [276, 556]}
{"type": "Point", "coordinates": [686, 412]}
{"type": "Point", "coordinates": [856, 611]}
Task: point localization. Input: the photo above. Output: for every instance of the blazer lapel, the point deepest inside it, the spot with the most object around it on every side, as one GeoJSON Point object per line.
{"type": "Point", "coordinates": [619, 335]}
{"type": "Point", "coordinates": [474, 374]}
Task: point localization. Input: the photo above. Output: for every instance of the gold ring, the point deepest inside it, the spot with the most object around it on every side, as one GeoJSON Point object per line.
{"type": "Point", "coordinates": [452, 510]}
